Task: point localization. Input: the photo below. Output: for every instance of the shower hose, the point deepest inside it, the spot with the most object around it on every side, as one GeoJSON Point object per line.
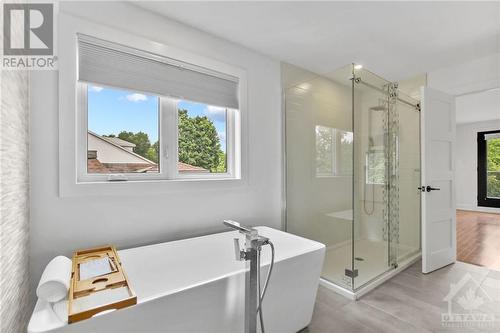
{"type": "Point", "coordinates": [263, 292]}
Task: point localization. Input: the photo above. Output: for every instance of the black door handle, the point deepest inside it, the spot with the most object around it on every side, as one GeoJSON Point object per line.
{"type": "Point", "coordinates": [429, 188]}
{"type": "Point", "coordinates": [421, 188]}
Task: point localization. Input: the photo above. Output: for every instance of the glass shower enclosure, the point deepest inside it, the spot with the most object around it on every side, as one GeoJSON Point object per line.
{"type": "Point", "coordinates": [352, 151]}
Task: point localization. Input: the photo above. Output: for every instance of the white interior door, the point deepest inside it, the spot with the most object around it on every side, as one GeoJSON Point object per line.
{"type": "Point", "coordinates": [438, 186]}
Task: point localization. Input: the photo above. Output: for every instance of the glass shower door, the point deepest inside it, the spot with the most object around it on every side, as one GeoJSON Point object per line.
{"type": "Point", "coordinates": [386, 177]}
{"type": "Point", "coordinates": [374, 174]}
{"type": "Point", "coordinates": [319, 156]}
{"type": "Point", "coordinates": [409, 178]}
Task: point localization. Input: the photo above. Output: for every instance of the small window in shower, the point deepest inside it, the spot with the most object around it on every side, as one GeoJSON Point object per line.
{"type": "Point", "coordinates": [333, 152]}
{"type": "Point", "coordinates": [375, 167]}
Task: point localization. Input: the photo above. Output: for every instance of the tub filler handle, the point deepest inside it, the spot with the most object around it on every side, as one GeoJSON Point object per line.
{"type": "Point", "coordinates": [239, 253]}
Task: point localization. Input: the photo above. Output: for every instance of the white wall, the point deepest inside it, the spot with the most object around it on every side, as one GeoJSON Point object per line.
{"type": "Point", "coordinates": [479, 74]}
{"type": "Point", "coordinates": [478, 107]}
{"type": "Point", "coordinates": [475, 83]}
{"type": "Point", "coordinates": [466, 166]}
{"type": "Point", "coordinates": [61, 225]}
{"type": "Point", "coordinates": [477, 86]}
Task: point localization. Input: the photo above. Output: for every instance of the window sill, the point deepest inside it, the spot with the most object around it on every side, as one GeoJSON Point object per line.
{"type": "Point", "coordinates": [125, 178]}
{"type": "Point", "coordinates": [149, 186]}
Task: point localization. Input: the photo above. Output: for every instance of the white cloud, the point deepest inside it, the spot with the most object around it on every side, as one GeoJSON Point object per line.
{"type": "Point", "coordinates": [222, 136]}
{"type": "Point", "coordinates": [215, 112]}
{"type": "Point", "coordinates": [215, 109]}
{"type": "Point", "coordinates": [137, 97]}
{"type": "Point", "coordinates": [95, 88]}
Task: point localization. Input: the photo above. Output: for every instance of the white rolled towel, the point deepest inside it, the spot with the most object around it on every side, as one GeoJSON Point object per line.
{"type": "Point", "coordinates": [61, 310]}
{"type": "Point", "coordinates": [55, 280]}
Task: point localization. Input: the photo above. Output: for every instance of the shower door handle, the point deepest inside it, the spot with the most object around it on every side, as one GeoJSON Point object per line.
{"type": "Point", "coordinates": [428, 188]}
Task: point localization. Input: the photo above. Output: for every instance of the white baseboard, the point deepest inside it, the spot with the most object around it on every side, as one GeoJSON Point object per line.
{"type": "Point", "coordinates": [479, 209]}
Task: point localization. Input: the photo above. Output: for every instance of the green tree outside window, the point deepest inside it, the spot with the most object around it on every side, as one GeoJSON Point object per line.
{"type": "Point", "coordinates": [493, 168]}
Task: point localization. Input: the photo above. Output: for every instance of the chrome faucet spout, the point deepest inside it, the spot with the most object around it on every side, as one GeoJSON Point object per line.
{"type": "Point", "coordinates": [251, 234]}
{"type": "Point", "coordinates": [238, 226]}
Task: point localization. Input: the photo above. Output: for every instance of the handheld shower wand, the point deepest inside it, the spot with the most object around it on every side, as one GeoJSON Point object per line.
{"type": "Point", "coordinates": [254, 294]}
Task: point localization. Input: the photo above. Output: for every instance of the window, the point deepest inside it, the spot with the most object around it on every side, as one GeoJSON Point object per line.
{"type": "Point", "coordinates": [202, 137]}
{"type": "Point", "coordinates": [375, 167]}
{"type": "Point", "coordinates": [123, 131]}
{"type": "Point", "coordinates": [137, 125]}
{"type": "Point", "coordinates": [333, 152]}
{"type": "Point", "coordinates": [488, 148]}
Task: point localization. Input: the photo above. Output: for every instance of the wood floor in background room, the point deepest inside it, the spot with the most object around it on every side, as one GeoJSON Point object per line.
{"type": "Point", "coordinates": [478, 238]}
{"type": "Point", "coordinates": [410, 302]}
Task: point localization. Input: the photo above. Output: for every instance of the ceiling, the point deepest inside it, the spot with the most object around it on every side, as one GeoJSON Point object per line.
{"type": "Point", "coordinates": [394, 39]}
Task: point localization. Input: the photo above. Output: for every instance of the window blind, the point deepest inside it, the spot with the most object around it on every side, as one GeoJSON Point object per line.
{"type": "Point", "coordinates": [490, 136]}
{"type": "Point", "coordinates": [116, 65]}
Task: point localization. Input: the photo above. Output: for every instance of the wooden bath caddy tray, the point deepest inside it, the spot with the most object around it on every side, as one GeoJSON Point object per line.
{"type": "Point", "coordinates": [102, 293]}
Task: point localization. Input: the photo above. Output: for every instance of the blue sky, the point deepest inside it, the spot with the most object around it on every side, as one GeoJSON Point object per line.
{"type": "Point", "coordinates": [111, 111]}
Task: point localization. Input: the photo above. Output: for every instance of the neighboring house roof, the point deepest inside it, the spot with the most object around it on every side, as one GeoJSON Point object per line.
{"type": "Point", "coordinates": [96, 166]}
{"type": "Point", "coordinates": [129, 167]}
{"type": "Point", "coordinates": [106, 139]}
{"type": "Point", "coordinates": [120, 142]}
{"type": "Point", "coordinates": [188, 167]}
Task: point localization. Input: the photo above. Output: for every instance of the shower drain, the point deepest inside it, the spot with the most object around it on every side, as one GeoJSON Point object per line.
{"type": "Point", "coordinates": [359, 259]}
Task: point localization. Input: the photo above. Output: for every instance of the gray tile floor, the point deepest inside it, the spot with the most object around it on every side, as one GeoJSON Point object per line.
{"type": "Point", "coordinates": [413, 302]}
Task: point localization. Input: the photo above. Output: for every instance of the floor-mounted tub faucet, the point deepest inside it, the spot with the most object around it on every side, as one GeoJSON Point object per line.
{"type": "Point", "coordinates": [251, 253]}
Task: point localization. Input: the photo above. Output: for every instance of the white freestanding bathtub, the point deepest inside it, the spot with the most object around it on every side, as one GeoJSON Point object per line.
{"type": "Point", "coordinates": [196, 285]}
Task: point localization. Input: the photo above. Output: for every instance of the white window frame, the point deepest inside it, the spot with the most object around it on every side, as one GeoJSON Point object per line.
{"type": "Point", "coordinates": [73, 124]}
{"type": "Point", "coordinates": [168, 131]}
